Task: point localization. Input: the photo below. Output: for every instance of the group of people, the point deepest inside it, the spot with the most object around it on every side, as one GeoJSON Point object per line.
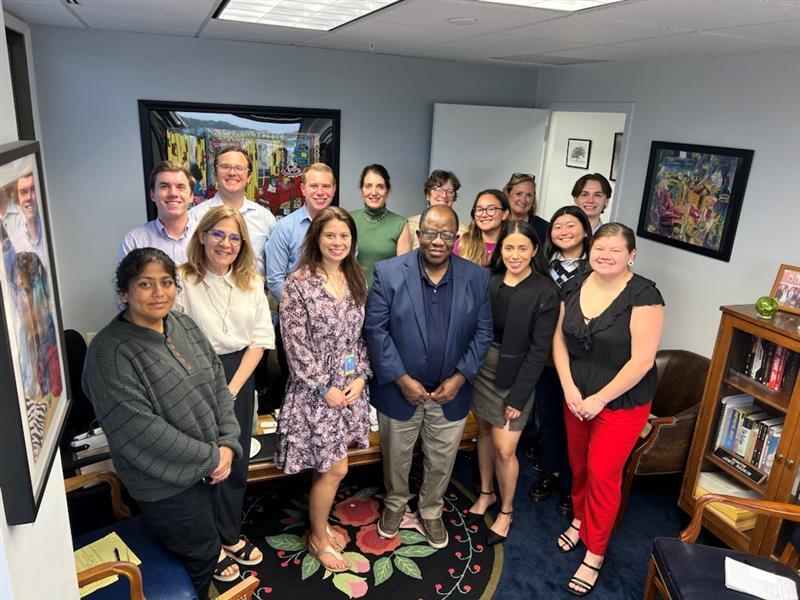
{"type": "Point", "coordinates": [422, 318]}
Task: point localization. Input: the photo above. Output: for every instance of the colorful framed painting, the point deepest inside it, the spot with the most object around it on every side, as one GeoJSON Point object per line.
{"type": "Point", "coordinates": [786, 289]}
{"type": "Point", "coordinates": [280, 141]}
{"type": "Point", "coordinates": [578, 153]}
{"type": "Point", "coordinates": [616, 152]}
{"type": "Point", "coordinates": [693, 196]}
{"type": "Point", "coordinates": [34, 392]}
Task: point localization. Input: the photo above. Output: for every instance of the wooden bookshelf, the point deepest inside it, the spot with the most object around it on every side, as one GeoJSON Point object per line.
{"type": "Point", "coordinates": [745, 352]}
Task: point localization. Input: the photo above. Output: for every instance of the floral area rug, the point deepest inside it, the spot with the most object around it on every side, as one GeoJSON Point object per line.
{"type": "Point", "coordinates": [404, 567]}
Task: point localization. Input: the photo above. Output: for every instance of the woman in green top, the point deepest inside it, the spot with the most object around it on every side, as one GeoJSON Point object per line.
{"type": "Point", "coordinates": [378, 228]}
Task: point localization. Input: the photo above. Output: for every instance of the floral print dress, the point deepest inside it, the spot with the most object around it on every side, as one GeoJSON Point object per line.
{"type": "Point", "coordinates": [318, 332]}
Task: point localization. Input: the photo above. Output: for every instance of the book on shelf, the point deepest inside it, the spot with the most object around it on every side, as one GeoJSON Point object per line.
{"type": "Point", "coordinates": [766, 429]}
{"type": "Point", "coordinates": [738, 415]}
{"type": "Point", "coordinates": [772, 446]}
{"type": "Point", "coordinates": [746, 438]}
{"type": "Point", "coordinates": [790, 372]}
{"type": "Point", "coordinates": [710, 482]}
{"type": "Point", "coordinates": [771, 365]}
{"type": "Point", "coordinates": [728, 403]}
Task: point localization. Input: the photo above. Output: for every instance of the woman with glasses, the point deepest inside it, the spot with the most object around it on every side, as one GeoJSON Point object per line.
{"type": "Point", "coordinates": [379, 229]}
{"type": "Point", "coordinates": [441, 187]}
{"type": "Point", "coordinates": [525, 307]}
{"type": "Point", "coordinates": [326, 406]}
{"type": "Point", "coordinates": [224, 294]}
{"type": "Point", "coordinates": [489, 211]}
{"type": "Point", "coordinates": [521, 192]}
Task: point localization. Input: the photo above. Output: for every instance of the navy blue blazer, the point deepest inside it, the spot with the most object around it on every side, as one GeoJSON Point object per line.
{"type": "Point", "coordinates": [395, 332]}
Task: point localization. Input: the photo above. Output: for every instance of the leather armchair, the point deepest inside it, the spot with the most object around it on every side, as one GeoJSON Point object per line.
{"type": "Point", "coordinates": [161, 575]}
{"type": "Point", "coordinates": [664, 445]}
{"type": "Point", "coordinates": [681, 569]}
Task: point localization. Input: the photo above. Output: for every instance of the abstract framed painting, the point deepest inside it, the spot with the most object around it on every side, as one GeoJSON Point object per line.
{"type": "Point", "coordinates": [693, 196]}
{"type": "Point", "coordinates": [34, 392]}
{"type": "Point", "coordinates": [280, 142]}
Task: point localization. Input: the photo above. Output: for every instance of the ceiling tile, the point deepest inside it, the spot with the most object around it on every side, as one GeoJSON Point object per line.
{"type": "Point", "coordinates": [612, 53]}
{"type": "Point", "coordinates": [360, 34]}
{"type": "Point", "coordinates": [252, 32]}
{"type": "Point", "coordinates": [42, 12]}
{"type": "Point", "coordinates": [590, 29]}
{"type": "Point", "coordinates": [178, 17]}
{"type": "Point", "coordinates": [500, 43]}
{"type": "Point", "coordinates": [697, 44]}
{"type": "Point", "coordinates": [695, 15]}
{"type": "Point", "coordinates": [785, 32]}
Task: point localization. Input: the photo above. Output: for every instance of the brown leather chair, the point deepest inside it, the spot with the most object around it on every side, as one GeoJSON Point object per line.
{"type": "Point", "coordinates": [664, 444]}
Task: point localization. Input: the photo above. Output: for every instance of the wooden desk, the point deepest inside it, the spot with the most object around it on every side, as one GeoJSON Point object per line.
{"type": "Point", "coordinates": [266, 470]}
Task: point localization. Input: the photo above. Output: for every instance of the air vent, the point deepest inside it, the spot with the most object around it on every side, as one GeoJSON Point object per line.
{"type": "Point", "coordinates": [71, 2]}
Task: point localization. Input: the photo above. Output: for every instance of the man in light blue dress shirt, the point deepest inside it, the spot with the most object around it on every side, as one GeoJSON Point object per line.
{"type": "Point", "coordinates": [233, 172]}
{"type": "Point", "coordinates": [171, 188]}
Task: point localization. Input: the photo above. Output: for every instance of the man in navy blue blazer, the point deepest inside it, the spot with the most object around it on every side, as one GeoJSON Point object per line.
{"type": "Point", "coordinates": [428, 327]}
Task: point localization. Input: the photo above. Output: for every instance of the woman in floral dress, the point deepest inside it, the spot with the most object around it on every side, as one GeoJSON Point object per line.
{"type": "Point", "coordinates": [326, 406]}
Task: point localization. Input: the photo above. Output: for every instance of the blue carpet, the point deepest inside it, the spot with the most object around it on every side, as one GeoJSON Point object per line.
{"type": "Point", "coordinates": [533, 566]}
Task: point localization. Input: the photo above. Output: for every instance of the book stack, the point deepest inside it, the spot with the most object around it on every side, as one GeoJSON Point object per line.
{"type": "Point", "coordinates": [268, 423]}
{"type": "Point", "coordinates": [771, 365]}
{"type": "Point", "coordinates": [740, 519]}
{"type": "Point", "coordinates": [746, 431]}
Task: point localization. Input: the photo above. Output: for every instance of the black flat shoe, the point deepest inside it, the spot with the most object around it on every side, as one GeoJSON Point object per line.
{"type": "Point", "coordinates": [493, 538]}
{"type": "Point", "coordinates": [542, 489]}
{"type": "Point", "coordinates": [565, 504]}
{"type": "Point", "coordinates": [569, 545]}
{"type": "Point", "coordinates": [585, 588]}
{"type": "Point", "coordinates": [472, 517]}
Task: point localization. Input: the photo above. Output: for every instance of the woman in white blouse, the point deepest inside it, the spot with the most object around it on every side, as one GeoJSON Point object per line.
{"type": "Point", "coordinates": [224, 294]}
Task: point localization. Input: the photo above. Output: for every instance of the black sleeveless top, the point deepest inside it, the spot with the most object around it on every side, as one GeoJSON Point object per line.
{"type": "Point", "coordinates": [600, 348]}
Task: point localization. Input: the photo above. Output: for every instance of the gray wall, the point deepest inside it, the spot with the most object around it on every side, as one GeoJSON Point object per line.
{"type": "Point", "coordinates": [742, 102]}
{"type": "Point", "coordinates": [89, 83]}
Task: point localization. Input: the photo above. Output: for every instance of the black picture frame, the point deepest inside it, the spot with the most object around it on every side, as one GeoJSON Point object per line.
{"type": "Point", "coordinates": [616, 153]}
{"type": "Point", "coordinates": [275, 137]}
{"type": "Point", "coordinates": [693, 196]}
{"type": "Point", "coordinates": [579, 152]}
{"type": "Point", "coordinates": [35, 397]}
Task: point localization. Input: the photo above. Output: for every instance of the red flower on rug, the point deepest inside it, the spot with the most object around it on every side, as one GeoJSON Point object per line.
{"type": "Point", "coordinates": [357, 511]}
{"type": "Point", "coordinates": [368, 540]}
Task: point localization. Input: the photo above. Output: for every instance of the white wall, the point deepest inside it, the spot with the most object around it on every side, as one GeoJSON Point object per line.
{"type": "Point", "coordinates": [555, 187]}
{"type": "Point", "coordinates": [90, 82]}
{"type": "Point", "coordinates": [743, 102]}
{"type": "Point", "coordinates": [28, 551]}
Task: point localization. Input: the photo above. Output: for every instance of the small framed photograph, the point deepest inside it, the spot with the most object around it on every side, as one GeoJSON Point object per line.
{"type": "Point", "coordinates": [787, 289]}
{"type": "Point", "coordinates": [578, 152]}
{"type": "Point", "coordinates": [615, 154]}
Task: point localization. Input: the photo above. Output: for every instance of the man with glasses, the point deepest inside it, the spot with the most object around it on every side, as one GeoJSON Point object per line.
{"type": "Point", "coordinates": [428, 327]}
{"type": "Point", "coordinates": [171, 188]}
{"type": "Point", "coordinates": [233, 173]}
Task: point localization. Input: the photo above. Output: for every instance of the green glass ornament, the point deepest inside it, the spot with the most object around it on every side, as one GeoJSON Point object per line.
{"type": "Point", "coordinates": [766, 306]}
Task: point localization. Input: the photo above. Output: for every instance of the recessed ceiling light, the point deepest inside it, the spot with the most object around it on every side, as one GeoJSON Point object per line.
{"type": "Point", "coordinates": [563, 5]}
{"type": "Point", "coordinates": [462, 20]}
{"type": "Point", "coordinates": [322, 15]}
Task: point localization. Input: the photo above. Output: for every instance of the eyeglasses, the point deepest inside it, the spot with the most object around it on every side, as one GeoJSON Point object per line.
{"type": "Point", "coordinates": [523, 175]}
{"type": "Point", "coordinates": [487, 210]}
{"type": "Point", "coordinates": [220, 236]}
{"type": "Point", "coordinates": [237, 168]}
{"type": "Point", "coordinates": [429, 235]}
{"type": "Point", "coordinates": [443, 192]}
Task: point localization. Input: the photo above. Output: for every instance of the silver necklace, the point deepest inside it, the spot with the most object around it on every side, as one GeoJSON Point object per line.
{"type": "Point", "coordinates": [222, 316]}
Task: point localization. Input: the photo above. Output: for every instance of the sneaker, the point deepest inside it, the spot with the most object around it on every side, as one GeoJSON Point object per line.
{"type": "Point", "coordinates": [389, 523]}
{"type": "Point", "coordinates": [435, 532]}
{"type": "Point", "coordinates": [542, 489]}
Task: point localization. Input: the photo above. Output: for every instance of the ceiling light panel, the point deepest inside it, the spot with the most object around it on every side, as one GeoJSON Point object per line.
{"type": "Point", "coordinates": [563, 5]}
{"type": "Point", "coordinates": [322, 15]}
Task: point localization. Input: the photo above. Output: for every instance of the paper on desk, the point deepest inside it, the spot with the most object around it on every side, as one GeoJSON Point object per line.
{"type": "Point", "coordinates": [741, 577]}
{"type": "Point", "coordinates": [100, 552]}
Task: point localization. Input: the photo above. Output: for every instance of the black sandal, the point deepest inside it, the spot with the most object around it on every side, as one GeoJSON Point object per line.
{"type": "Point", "coordinates": [224, 564]}
{"type": "Point", "coordinates": [585, 586]}
{"type": "Point", "coordinates": [243, 555]}
{"type": "Point", "coordinates": [495, 538]}
{"type": "Point", "coordinates": [473, 517]}
{"type": "Point", "coordinates": [569, 545]}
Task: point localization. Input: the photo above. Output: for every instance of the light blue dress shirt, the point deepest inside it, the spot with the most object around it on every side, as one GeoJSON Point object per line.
{"type": "Point", "coordinates": [153, 234]}
{"type": "Point", "coordinates": [283, 249]}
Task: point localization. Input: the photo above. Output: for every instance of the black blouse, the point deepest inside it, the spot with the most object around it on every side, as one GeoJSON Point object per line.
{"type": "Point", "coordinates": [600, 348]}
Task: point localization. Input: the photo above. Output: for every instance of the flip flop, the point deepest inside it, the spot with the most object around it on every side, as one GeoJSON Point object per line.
{"type": "Point", "coordinates": [225, 563]}
{"type": "Point", "coordinates": [337, 540]}
{"type": "Point", "coordinates": [318, 553]}
{"type": "Point", "coordinates": [243, 555]}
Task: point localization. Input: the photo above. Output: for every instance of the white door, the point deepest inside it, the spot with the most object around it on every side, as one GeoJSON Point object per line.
{"type": "Point", "coordinates": [484, 145]}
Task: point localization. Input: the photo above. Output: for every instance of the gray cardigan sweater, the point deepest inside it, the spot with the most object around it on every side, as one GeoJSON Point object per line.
{"type": "Point", "coordinates": [163, 403]}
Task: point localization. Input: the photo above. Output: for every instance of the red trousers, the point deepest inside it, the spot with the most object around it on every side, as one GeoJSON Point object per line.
{"type": "Point", "coordinates": [598, 450]}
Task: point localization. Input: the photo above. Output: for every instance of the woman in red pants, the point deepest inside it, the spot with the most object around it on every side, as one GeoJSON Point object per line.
{"type": "Point", "coordinates": [604, 350]}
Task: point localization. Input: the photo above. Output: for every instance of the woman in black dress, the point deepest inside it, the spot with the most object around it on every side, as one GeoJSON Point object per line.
{"type": "Point", "coordinates": [524, 298]}
{"type": "Point", "coordinates": [604, 350]}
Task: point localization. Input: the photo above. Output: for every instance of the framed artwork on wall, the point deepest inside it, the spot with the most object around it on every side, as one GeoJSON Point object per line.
{"type": "Point", "coordinates": [693, 196]}
{"type": "Point", "coordinates": [615, 154]}
{"type": "Point", "coordinates": [280, 141]}
{"type": "Point", "coordinates": [787, 289]}
{"type": "Point", "coordinates": [578, 152]}
{"type": "Point", "coordinates": [34, 392]}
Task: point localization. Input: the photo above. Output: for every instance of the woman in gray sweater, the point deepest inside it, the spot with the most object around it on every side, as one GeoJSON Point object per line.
{"type": "Point", "coordinates": [161, 396]}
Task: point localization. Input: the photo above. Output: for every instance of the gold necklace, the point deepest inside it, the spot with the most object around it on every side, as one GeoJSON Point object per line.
{"type": "Point", "coordinates": [338, 290]}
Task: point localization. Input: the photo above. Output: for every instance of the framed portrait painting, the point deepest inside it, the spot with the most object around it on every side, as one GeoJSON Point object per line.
{"type": "Point", "coordinates": [280, 142]}
{"type": "Point", "coordinates": [34, 392]}
{"type": "Point", "coordinates": [786, 289]}
{"type": "Point", "coordinates": [693, 196]}
{"type": "Point", "coordinates": [578, 153]}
